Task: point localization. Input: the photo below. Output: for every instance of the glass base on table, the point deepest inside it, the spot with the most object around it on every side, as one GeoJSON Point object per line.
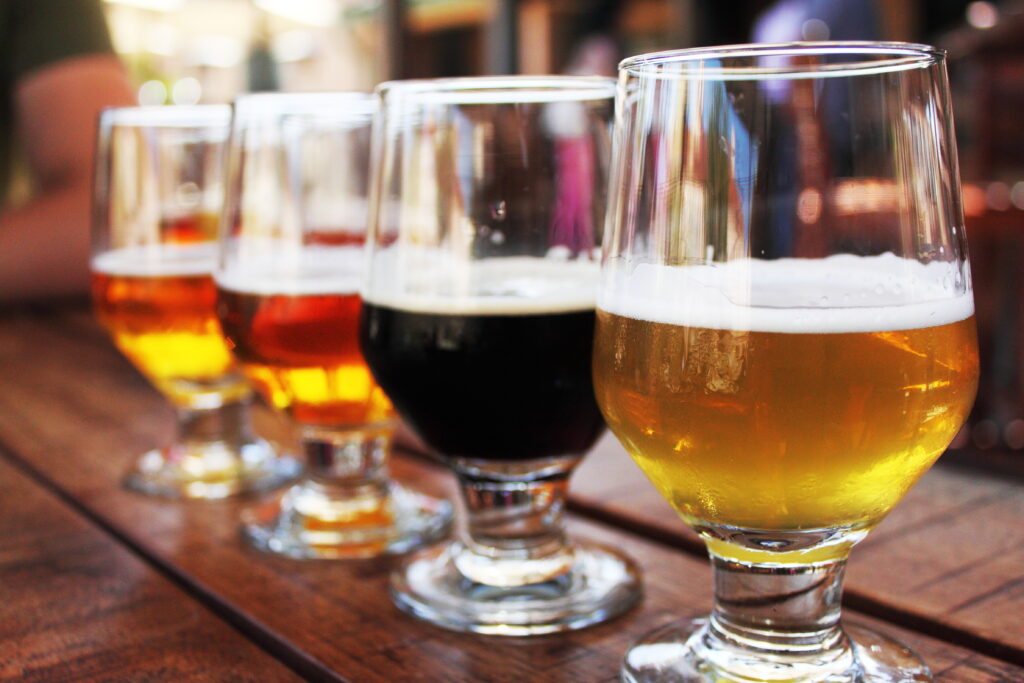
{"type": "Point", "coordinates": [211, 471]}
{"type": "Point", "coordinates": [310, 521]}
{"type": "Point", "coordinates": [679, 653]}
{"type": "Point", "coordinates": [599, 585]}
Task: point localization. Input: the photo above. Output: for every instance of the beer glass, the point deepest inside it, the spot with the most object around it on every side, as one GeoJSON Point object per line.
{"type": "Point", "coordinates": [288, 281]}
{"type": "Point", "coordinates": [785, 331]}
{"type": "Point", "coordinates": [486, 199]}
{"type": "Point", "coordinates": [158, 194]}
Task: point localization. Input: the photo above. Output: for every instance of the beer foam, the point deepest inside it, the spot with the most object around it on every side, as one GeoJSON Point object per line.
{"type": "Point", "coordinates": [433, 281]}
{"type": "Point", "coordinates": [269, 267]}
{"type": "Point", "coordinates": [158, 260]}
{"type": "Point", "coordinates": [841, 293]}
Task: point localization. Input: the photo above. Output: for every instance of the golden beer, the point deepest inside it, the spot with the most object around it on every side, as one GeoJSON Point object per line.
{"type": "Point", "coordinates": [158, 303]}
{"type": "Point", "coordinates": [776, 429]}
{"type": "Point", "coordinates": [302, 353]}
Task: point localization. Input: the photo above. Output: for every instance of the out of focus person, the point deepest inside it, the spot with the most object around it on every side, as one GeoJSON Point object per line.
{"type": "Point", "coordinates": [57, 70]}
{"type": "Point", "coordinates": [789, 20]}
{"type": "Point", "coordinates": [597, 45]}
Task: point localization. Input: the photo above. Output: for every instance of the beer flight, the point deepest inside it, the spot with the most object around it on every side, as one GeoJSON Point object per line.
{"type": "Point", "coordinates": [509, 263]}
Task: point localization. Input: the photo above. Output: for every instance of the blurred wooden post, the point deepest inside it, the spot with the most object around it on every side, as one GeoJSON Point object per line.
{"type": "Point", "coordinates": [393, 23]}
{"type": "Point", "coordinates": [536, 37]}
{"type": "Point", "coordinates": [501, 38]}
{"type": "Point", "coordinates": [900, 19]}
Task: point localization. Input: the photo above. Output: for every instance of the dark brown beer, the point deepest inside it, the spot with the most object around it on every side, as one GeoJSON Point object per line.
{"type": "Point", "coordinates": [491, 385]}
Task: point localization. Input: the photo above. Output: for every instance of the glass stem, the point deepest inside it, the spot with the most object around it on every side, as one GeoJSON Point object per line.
{"type": "Point", "coordinates": [228, 425]}
{"type": "Point", "coordinates": [514, 533]}
{"type": "Point", "coordinates": [211, 440]}
{"type": "Point", "coordinates": [344, 464]}
{"type": "Point", "coordinates": [785, 612]}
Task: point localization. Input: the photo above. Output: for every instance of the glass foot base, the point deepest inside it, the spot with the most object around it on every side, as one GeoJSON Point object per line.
{"type": "Point", "coordinates": [211, 473]}
{"type": "Point", "coordinates": [677, 653]}
{"type": "Point", "coordinates": [282, 527]}
{"type": "Point", "coordinates": [601, 584]}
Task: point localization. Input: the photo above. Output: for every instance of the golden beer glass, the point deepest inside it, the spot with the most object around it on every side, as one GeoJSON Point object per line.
{"type": "Point", "coordinates": [289, 283]}
{"type": "Point", "coordinates": [785, 338]}
{"type": "Point", "coordinates": [158, 196]}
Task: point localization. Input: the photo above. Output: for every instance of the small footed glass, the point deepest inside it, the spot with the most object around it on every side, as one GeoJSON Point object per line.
{"type": "Point", "coordinates": [785, 331]}
{"type": "Point", "coordinates": [478, 321]}
{"type": "Point", "coordinates": [158, 192]}
{"type": "Point", "coordinates": [289, 280]}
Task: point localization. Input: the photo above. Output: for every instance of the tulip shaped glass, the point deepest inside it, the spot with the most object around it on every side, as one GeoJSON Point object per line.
{"type": "Point", "coordinates": [486, 208]}
{"type": "Point", "coordinates": [785, 331]}
{"type": "Point", "coordinates": [288, 285]}
{"type": "Point", "coordinates": [158, 194]}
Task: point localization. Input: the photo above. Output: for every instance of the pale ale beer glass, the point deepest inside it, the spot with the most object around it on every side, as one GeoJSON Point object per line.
{"type": "Point", "coordinates": [289, 284]}
{"type": "Point", "coordinates": [785, 331]}
{"type": "Point", "coordinates": [158, 194]}
{"type": "Point", "coordinates": [486, 200]}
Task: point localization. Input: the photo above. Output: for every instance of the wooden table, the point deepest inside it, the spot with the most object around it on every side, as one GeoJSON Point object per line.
{"type": "Point", "coordinates": [97, 583]}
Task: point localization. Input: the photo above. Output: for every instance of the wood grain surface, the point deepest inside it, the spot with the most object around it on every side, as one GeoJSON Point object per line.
{"type": "Point", "coordinates": [76, 605]}
{"type": "Point", "coordinates": [74, 412]}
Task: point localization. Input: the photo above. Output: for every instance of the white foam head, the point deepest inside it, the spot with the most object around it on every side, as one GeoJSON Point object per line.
{"type": "Point", "coordinates": [430, 280]}
{"type": "Point", "coordinates": [158, 260]}
{"type": "Point", "coordinates": [271, 267]}
{"type": "Point", "coordinates": [841, 293]}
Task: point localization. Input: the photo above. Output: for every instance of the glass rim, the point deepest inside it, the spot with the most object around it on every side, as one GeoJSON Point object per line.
{"type": "Point", "coordinates": [515, 89]}
{"type": "Point", "coordinates": [168, 115]}
{"type": "Point", "coordinates": [894, 57]}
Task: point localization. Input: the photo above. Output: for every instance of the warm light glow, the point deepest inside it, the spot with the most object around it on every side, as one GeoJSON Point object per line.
{"type": "Point", "coordinates": [997, 195]}
{"type": "Point", "coordinates": [293, 46]}
{"type": "Point", "coordinates": [155, 5]}
{"type": "Point", "coordinates": [163, 39]}
{"type": "Point", "coordinates": [814, 29]}
{"type": "Point", "coordinates": [152, 93]}
{"type": "Point", "coordinates": [854, 197]}
{"type": "Point", "coordinates": [1017, 194]}
{"type": "Point", "coordinates": [808, 205]}
{"type": "Point", "coordinates": [1013, 435]}
{"type": "Point", "coordinates": [974, 200]}
{"type": "Point", "coordinates": [215, 50]}
{"type": "Point", "coordinates": [186, 91]}
{"type": "Point", "coordinates": [982, 15]}
{"type": "Point", "coordinates": [313, 12]}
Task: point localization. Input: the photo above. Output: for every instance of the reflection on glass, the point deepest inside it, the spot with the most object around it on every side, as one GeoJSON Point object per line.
{"type": "Point", "coordinates": [785, 337]}
{"type": "Point", "coordinates": [289, 280]}
{"type": "Point", "coordinates": [158, 194]}
{"type": "Point", "coordinates": [479, 319]}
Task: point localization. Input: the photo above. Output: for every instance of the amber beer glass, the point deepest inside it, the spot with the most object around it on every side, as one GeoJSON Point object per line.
{"type": "Point", "coordinates": [487, 201]}
{"type": "Point", "coordinates": [157, 202]}
{"type": "Point", "coordinates": [289, 301]}
{"type": "Point", "coordinates": [785, 331]}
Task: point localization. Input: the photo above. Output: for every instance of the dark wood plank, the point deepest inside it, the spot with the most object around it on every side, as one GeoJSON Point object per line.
{"type": "Point", "coordinates": [59, 380]}
{"type": "Point", "coordinates": [949, 554]}
{"type": "Point", "coordinates": [78, 606]}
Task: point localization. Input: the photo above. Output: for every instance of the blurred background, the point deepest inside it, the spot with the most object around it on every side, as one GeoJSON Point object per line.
{"type": "Point", "coordinates": [208, 51]}
{"type": "Point", "coordinates": [186, 51]}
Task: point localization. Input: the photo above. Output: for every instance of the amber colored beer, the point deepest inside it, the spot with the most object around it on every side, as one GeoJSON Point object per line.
{"type": "Point", "coordinates": [302, 353]}
{"type": "Point", "coordinates": [158, 303]}
{"type": "Point", "coordinates": [775, 429]}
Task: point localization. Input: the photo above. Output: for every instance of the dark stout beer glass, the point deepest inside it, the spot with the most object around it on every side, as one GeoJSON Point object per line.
{"type": "Point", "coordinates": [785, 331]}
{"type": "Point", "coordinates": [158, 195]}
{"type": "Point", "coordinates": [486, 202]}
{"type": "Point", "coordinates": [289, 280]}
